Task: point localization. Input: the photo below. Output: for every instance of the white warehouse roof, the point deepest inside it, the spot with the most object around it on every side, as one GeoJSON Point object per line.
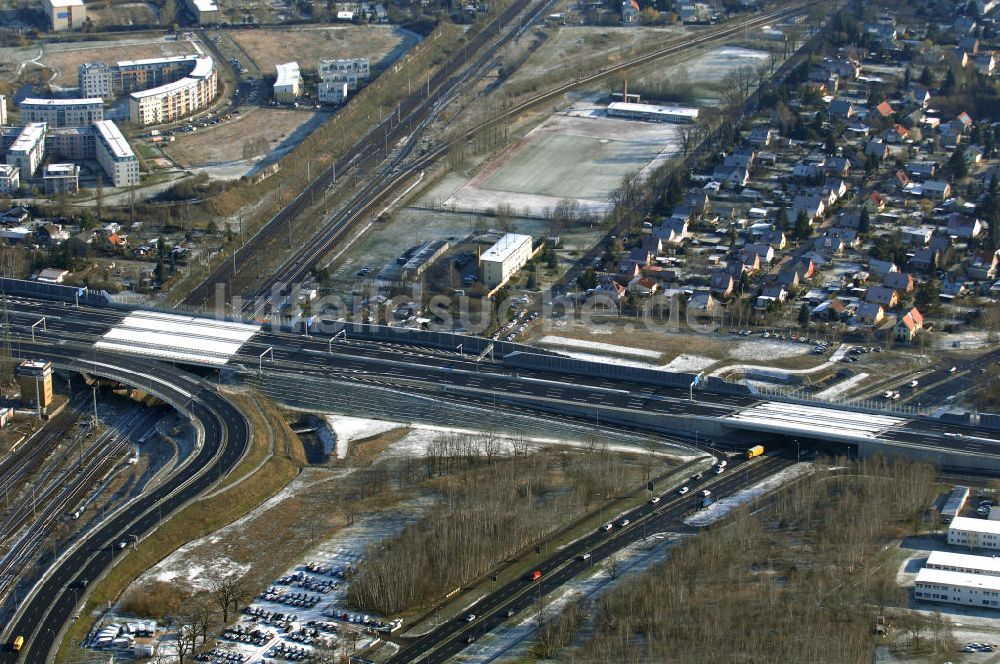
{"type": "Point", "coordinates": [958, 579]}
{"type": "Point", "coordinates": [288, 74]}
{"type": "Point", "coordinates": [986, 564]}
{"type": "Point", "coordinates": [653, 110]}
{"type": "Point", "coordinates": [975, 525]}
{"type": "Point", "coordinates": [504, 247]}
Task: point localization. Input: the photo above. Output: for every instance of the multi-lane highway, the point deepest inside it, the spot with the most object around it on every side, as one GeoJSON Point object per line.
{"type": "Point", "coordinates": [515, 597]}
{"type": "Point", "coordinates": [225, 439]}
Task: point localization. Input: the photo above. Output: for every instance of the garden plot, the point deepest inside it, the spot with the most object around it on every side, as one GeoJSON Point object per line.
{"type": "Point", "coordinates": [580, 155]}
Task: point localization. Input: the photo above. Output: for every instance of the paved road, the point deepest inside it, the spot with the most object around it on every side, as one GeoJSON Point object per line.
{"type": "Point", "coordinates": [226, 437]}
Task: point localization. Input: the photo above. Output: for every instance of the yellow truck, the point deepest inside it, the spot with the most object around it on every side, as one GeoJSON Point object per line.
{"type": "Point", "coordinates": [755, 451]}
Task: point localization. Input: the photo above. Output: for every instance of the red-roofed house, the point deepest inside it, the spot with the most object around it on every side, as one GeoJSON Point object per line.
{"type": "Point", "coordinates": [884, 109]}
{"type": "Point", "coordinates": [909, 325]}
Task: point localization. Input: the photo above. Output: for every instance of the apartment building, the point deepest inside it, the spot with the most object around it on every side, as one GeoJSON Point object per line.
{"type": "Point", "coordinates": [974, 533]}
{"type": "Point", "coordinates": [28, 149]}
{"type": "Point", "coordinates": [61, 179]}
{"type": "Point", "coordinates": [64, 14]}
{"type": "Point", "coordinates": [354, 72]}
{"type": "Point", "coordinates": [175, 100]}
{"type": "Point", "coordinates": [10, 179]}
{"type": "Point", "coordinates": [62, 112]}
{"type": "Point", "coordinates": [115, 155]}
{"type": "Point", "coordinates": [288, 84]}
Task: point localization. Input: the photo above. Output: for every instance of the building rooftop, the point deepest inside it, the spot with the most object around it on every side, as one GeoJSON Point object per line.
{"type": "Point", "coordinates": [504, 247]}
{"type": "Point", "coordinates": [61, 169]}
{"type": "Point", "coordinates": [29, 137]}
{"type": "Point", "coordinates": [288, 74]}
{"type": "Point", "coordinates": [157, 61]}
{"type": "Point", "coordinates": [651, 109]}
{"type": "Point", "coordinates": [32, 101]}
{"type": "Point", "coordinates": [66, 3]}
{"type": "Point", "coordinates": [111, 135]}
{"type": "Point", "coordinates": [205, 5]}
{"type": "Point", "coordinates": [975, 525]}
{"type": "Point", "coordinates": [959, 579]}
{"type": "Point", "coordinates": [202, 67]}
{"type": "Point", "coordinates": [987, 564]}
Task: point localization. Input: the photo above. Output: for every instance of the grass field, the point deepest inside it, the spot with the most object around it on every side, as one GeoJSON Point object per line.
{"type": "Point", "coordinates": [129, 13]}
{"type": "Point", "coordinates": [66, 58]}
{"type": "Point", "coordinates": [565, 165]}
{"type": "Point", "coordinates": [224, 142]}
{"type": "Point", "coordinates": [307, 46]}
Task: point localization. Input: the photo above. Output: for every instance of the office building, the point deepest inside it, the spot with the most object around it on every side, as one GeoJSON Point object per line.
{"type": "Point", "coordinates": [963, 562]}
{"type": "Point", "coordinates": [938, 585]}
{"type": "Point", "coordinates": [205, 12]}
{"type": "Point", "coordinates": [504, 258]}
{"type": "Point", "coordinates": [62, 112]}
{"type": "Point", "coordinates": [115, 155]}
{"type": "Point", "coordinates": [28, 149]}
{"type": "Point", "coordinates": [34, 377]}
{"type": "Point", "coordinates": [64, 14]}
{"type": "Point", "coordinates": [974, 533]}
{"type": "Point", "coordinates": [353, 72]}
{"type": "Point", "coordinates": [61, 179]}
{"type": "Point", "coordinates": [288, 84]}
{"type": "Point", "coordinates": [10, 179]}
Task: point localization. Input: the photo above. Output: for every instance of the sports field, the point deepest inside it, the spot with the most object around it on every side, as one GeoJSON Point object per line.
{"type": "Point", "coordinates": [571, 166]}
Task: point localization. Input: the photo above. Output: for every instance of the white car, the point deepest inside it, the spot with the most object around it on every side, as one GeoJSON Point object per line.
{"type": "Point", "coordinates": [606, 527]}
{"type": "Point", "coordinates": [914, 383]}
{"type": "Point", "coordinates": [719, 470]}
{"type": "Point", "coordinates": [953, 370]}
{"type": "Point", "coordinates": [585, 556]}
{"type": "Point", "coordinates": [722, 463]}
{"type": "Point", "coordinates": [654, 500]}
{"type": "Point", "coordinates": [624, 522]}
{"type": "Point", "coordinates": [706, 493]}
{"type": "Point", "coordinates": [681, 491]}
{"type": "Point", "coordinates": [470, 617]}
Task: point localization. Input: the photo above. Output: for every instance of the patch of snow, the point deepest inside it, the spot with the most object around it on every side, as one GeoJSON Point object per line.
{"type": "Point", "coordinates": [688, 362]}
{"type": "Point", "coordinates": [765, 349]}
{"type": "Point", "coordinates": [966, 340]}
{"type": "Point", "coordinates": [720, 508]}
{"type": "Point", "coordinates": [841, 387]}
{"type": "Point", "coordinates": [606, 359]}
{"type": "Point", "coordinates": [345, 429]}
{"type": "Point", "coordinates": [600, 346]}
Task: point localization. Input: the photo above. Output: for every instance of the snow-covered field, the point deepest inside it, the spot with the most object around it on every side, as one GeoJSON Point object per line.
{"type": "Point", "coordinates": [843, 386]}
{"type": "Point", "coordinates": [583, 344]}
{"type": "Point", "coordinates": [720, 508]}
{"type": "Point", "coordinates": [688, 362]}
{"type": "Point", "coordinates": [765, 349]}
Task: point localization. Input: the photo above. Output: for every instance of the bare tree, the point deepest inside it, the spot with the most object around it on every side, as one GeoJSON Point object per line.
{"type": "Point", "coordinates": [227, 592]}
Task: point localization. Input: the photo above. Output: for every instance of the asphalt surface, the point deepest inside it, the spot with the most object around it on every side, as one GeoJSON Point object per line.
{"type": "Point", "coordinates": [225, 441]}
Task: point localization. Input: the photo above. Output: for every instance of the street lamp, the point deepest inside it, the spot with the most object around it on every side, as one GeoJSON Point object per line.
{"type": "Point", "coordinates": [797, 448]}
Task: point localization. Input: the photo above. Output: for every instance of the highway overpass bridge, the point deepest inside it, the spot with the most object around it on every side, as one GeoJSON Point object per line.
{"type": "Point", "coordinates": [441, 378]}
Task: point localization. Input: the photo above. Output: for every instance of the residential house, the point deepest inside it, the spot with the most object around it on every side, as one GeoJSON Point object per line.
{"type": "Point", "coordinates": [887, 297]}
{"type": "Point", "coordinates": [812, 205]}
{"type": "Point", "coordinates": [983, 266]}
{"type": "Point", "coordinates": [986, 63]}
{"type": "Point", "coordinates": [762, 136]}
{"type": "Point", "coordinates": [701, 303]}
{"type": "Point", "coordinates": [902, 180]}
{"type": "Point", "coordinates": [609, 290]}
{"type": "Point", "coordinates": [839, 167]}
{"type": "Point", "coordinates": [937, 190]}
{"type": "Point", "coordinates": [922, 170]}
{"type": "Point", "coordinates": [848, 220]}
{"type": "Point", "coordinates": [918, 236]}
{"type": "Point", "coordinates": [883, 110]}
{"type": "Point", "coordinates": [918, 96]}
{"type": "Point", "coordinates": [874, 202]}
{"type": "Point", "coordinates": [764, 253]}
{"type": "Point", "coordinates": [630, 11]}
{"type": "Point", "coordinates": [830, 245]}
{"type": "Point", "coordinates": [789, 278]}
{"type": "Point", "coordinates": [849, 237]}
{"type": "Point", "coordinates": [829, 310]}
{"type": "Point", "coordinates": [969, 44]}
{"type": "Point", "coordinates": [774, 237]}
{"type": "Point", "coordinates": [673, 230]}
{"type": "Point", "coordinates": [964, 227]}
{"type": "Point", "coordinates": [842, 108]}
{"type": "Point", "coordinates": [869, 313]}
{"type": "Point", "coordinates": [901, 282]}
{"type": "Point", "coordinates": [15, 216]}
{"type": "Point", "coordinates": [721, 283]}
{"type": "Point", "coordinates": [925, 259]}
{"type": "Point", "coordinates": [909, 324]}
{"type": "Point", "coordinates": [51, 275]}
{"type": "Point", "coordinates": [643, 286]}
{"type": "Point", "coordinates": [877, 148]}
{"type": "Point", "coordinates": [880, 268]}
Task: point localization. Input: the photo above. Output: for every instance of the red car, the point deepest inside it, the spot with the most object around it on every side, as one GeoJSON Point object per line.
{"type": "Point", "coordinates": [536, 575]}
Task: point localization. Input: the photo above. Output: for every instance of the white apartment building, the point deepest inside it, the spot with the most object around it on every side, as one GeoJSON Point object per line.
{"type": "Point", "coordinates": [28, 149]}
{"type": "Point", "coordinates": [62, 112]}
{"type": "Point", "coordinates": [97, 79]}
{"type": "Point", "coordinates": [963, 562]}
{"type": "Point", "coordinates": [115, 155]}
{"type": "Point", "coordinates": [938, 585]}
{"type": "Point", "coordinates": [974, 533]}
{"type": "Point", "coordinates": [332, 93]}
{"type": "Point", "coordinates": [504, 258]}
{"type": "Point", "coordinates": [353, 72]}
{"type": "Point", "coordinates": [288, 84]}
{"type": "Point", "coordinates": [172, 101]}
{"type": "Point", "coordinates": [10, 179]}
{"type": "Point", "coordinates": [64, 14]}
{"type": "Point", "coordinates": [61, 179]}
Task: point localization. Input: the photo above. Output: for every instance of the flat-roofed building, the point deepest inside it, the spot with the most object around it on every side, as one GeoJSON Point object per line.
{"type": "Point", "coordinates": [115, 155]}
{"type": "Point", "coordinates": [64, 14]}
{"type": "Point", "coordinates": [34, 377]}
{"type": "Point", "coordinates": [504, 258]}
{"type": "Point", "coordinates": [331, 93]}
{"type": "Point", "coordinates": [974, 533]}
{"type": "Point", "coordinates": [205, 12]}
{"type": "Point", "coordinates": [62, 112]}
{"type": "Point", "coordinates": [10, 179]}
{"type": "Point", "coordinates": [963, 562]}
{"type": "Point", "coordinates": [71, 143]}
{"type": "Point", "coordinates": [353, 72]}
{"type": "Point", "coordinates": [651, 112]}
{"type": "Point", "coordinates": [28, 149]}
{"type": "Point", "coordinates": [938, 585]}
{"type": "Point", "coordinates": [175, 100]}
{"type": "Point", "coordinates": [61, 179]}
{"type": "Point", "coordinates": [99, 79]}
{"type": "Point", "coordinates": [288, 84]}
